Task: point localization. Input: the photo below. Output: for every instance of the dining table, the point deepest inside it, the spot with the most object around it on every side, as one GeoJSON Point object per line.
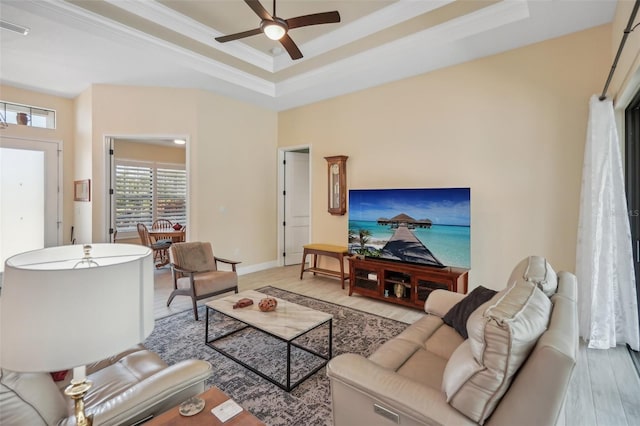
{"type": "Point", "coordinates": [176, 236]}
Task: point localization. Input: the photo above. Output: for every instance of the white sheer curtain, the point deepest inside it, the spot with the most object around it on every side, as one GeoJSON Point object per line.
{"type": "Point", "coordinates": [608, 310]}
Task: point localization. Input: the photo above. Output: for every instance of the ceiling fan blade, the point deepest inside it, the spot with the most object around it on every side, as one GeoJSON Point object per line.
{"type": "Point", "coordinates": [291, 47]}
{"type": "Point", "coordinates": [259, 9]}
{"type": "Point", "coordinates": [313, 19]}
{"type": "Point", "coordinates": [236, 36]}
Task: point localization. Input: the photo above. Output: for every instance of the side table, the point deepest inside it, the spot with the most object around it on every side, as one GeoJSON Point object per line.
{"type": "Point", "coordinates": [212, 397]}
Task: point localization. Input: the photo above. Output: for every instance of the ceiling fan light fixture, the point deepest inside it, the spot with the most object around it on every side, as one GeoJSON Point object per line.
{"type": "Point", "coordinates": [273, 29]}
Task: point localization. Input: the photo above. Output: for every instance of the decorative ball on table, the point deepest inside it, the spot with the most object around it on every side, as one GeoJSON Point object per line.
{"type": "Point", "coordinates": [268, 304]}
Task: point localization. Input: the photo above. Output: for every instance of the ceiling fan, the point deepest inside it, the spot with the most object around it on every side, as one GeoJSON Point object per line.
{"type": "Point", "coordinates": [277, 28]}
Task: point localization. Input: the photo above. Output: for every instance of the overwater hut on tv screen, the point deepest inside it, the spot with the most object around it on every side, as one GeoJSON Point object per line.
{"type": "Point", "coordinates": [426, 226]}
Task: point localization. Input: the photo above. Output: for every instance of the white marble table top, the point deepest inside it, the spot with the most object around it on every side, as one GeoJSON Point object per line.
{"type": "Point", "coordinates": [288, 321]}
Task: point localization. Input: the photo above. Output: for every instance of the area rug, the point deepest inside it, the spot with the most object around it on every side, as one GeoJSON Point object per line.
{"type": "Point", "coordinates": [179, 337]}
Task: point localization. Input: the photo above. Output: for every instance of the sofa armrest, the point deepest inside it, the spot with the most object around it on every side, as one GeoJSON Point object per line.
{"type": "Point", "coordinates": [440, 301]}
{"type": "Point", "coordinates": [358, 383]}
{"type": "Point", "coordinates": [153, 395]}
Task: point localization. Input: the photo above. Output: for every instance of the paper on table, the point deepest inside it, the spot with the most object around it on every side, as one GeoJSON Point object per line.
{"type": "Point", "coordinates": [226, 410]}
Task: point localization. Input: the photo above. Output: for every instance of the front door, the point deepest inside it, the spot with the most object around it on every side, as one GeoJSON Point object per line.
{"type": "Point", "coordinates": [29, 197]}
{"type": "Point", "coordinates": [296, 205]}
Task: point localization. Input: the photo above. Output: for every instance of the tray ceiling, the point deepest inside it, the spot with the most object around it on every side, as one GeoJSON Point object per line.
{"type": "Point", "coordinates": [75, 43]}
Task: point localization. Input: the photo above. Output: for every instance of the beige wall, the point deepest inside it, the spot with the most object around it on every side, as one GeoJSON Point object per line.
{"type": "Point", "coordinates": [146, 152]}
{"type": "Point", "coordinates": [511, 126]}
{"type": "Point", "coordinates": [235, 179]}
{"type": "Point", "coordinates": [231, 163]}
{"type": "Point", "coordinates": [82, 166]}
{"type": "Point", "coordinates": [64, 131]}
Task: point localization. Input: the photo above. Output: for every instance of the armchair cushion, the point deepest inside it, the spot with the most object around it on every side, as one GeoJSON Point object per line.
{"type": "Point", "coordinates": [210, 282]}
{"type": "Point", "coordinates": [194, 256]}
{"type": "Point", "coordinates": [30, 399]}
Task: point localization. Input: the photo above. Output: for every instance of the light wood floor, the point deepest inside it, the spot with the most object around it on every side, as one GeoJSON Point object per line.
{"type": "Point", "coordinates": [605, 390]}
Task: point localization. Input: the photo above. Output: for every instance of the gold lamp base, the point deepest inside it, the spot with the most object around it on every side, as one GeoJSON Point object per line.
{"type": "Point", "coordinates": [76, 391]}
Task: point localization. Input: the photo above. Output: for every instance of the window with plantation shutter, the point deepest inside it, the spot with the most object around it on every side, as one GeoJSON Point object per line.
{"type": "Point", "coordinates": [145, 192]}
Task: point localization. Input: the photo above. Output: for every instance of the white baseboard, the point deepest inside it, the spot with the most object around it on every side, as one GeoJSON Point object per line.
{"type": "Point", "coordinates": [242, 270]}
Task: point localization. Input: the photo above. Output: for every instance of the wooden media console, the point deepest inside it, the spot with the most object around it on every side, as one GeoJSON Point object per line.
{"type": "Point", "coordinates": [403, 283]}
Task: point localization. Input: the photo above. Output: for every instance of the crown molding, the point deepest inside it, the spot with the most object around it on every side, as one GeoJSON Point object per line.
{"type": "Point", "coordinates": [168, 18]}
{"type": "Point", "coordinates": [415, 53]}
{"type": "Point", "coordinates": [394, 14]}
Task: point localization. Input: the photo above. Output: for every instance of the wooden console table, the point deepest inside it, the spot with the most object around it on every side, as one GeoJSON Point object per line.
{"type": "Point", "coordinates": [328, 250]}
{"type": "Point", "coordinates": [380, 279]}
{"type": "Point", "coordinates": [212, 397]}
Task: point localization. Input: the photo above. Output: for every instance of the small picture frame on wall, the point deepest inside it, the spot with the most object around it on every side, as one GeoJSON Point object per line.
{"type": "Point", "coordinates": [82, 190]}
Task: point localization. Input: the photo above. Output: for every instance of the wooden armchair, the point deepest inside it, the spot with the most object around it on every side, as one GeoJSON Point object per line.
{"type": "Point", "coordinates": [195, 273]}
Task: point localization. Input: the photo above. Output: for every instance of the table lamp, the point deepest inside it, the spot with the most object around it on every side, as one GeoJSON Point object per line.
{"type": "Point", "coordinates": [65, 307]}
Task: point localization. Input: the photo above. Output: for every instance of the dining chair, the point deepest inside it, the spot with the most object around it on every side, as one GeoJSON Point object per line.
{"type": "Point", "coordinates": [162, 224]}
{"type": "Point", "coordinates": [195, 273]}
{"type": "Point", "coordinates": [160, 255]}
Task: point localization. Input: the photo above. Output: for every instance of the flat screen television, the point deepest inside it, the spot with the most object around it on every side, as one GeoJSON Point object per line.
{"type": "Point", "coordinates": [427, 226]}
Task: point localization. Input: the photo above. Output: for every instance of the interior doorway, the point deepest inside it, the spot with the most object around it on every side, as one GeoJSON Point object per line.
{"type": "Point", "coordinates": [30, 199]}
{"type": "Point", "coordinates": [294, 212]}
{"type": "Point", "coordinates": [154, 183]}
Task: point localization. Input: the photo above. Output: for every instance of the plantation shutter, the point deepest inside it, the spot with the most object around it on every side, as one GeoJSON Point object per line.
{"type": "Point", "coordinates": [171, 195]}
{"type": "Point", "coordinates": [134, 196]}
{"type": "Point", "coordinates": [146, 192]}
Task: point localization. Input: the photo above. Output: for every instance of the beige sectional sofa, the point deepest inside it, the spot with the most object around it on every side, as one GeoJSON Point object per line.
{"type": "Point", "coordinates": [513, 369]}
{"type": "Point", "coordinates": [127, 388]}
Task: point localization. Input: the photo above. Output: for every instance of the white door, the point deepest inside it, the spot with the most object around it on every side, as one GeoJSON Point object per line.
{"type": "Point", "coordinates": [29, 198]}
{"type": "Point", "coordinates": [296, 205]}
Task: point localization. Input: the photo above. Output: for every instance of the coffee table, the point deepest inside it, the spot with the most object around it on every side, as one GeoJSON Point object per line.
{"type": "Point", "coordinates": [212, 397]}
{"type": "Point", "coordinates": [287, 323]}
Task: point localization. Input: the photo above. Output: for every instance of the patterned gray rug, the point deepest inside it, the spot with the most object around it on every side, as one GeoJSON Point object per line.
{"type": "Point", "coordinates": [179, 337]}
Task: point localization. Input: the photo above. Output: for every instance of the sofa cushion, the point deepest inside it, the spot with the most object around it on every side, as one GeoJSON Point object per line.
{"type": "Point", "coordinates": [424, 367]}
{"type": "Point", "coordinates": [536, 270]}
{"type": "Point", "coordinates": [444, 342]}
{"type": "Point", "coordinates": [395, 352]}
{"type": "Point", "coordinates": [458, 315]}
{"type": "Point", "coordinates": [502, 333]}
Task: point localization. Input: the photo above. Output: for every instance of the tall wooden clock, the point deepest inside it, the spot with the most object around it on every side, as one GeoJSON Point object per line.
{"type": "Point", "coordinates": [337, 184]}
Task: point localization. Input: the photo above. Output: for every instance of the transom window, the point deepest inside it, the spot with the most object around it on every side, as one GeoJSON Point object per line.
{"type": "Point", "coordinates": [28, 115]}
{"type": "Point", "coordinates": [145, 192]}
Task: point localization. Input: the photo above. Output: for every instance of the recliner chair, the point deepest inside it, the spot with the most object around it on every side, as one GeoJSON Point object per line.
{"type": "Point", "coordinates": [128, 388]}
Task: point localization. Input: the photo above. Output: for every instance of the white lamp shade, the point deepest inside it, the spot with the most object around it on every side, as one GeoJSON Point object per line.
{"type": "Point", "coordinates": [54, 316]}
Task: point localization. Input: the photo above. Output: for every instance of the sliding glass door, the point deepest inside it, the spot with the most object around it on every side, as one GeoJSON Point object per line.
{"type": "Point", "coordinates": [632, 177]}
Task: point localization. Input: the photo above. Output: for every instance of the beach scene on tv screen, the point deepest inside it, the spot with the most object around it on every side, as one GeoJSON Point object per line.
{"type": "Point", "coordinates": [430, 226]}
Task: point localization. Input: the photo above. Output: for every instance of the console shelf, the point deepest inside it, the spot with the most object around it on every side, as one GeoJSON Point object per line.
{"type": "Point", "coordinates": [402, 283]}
